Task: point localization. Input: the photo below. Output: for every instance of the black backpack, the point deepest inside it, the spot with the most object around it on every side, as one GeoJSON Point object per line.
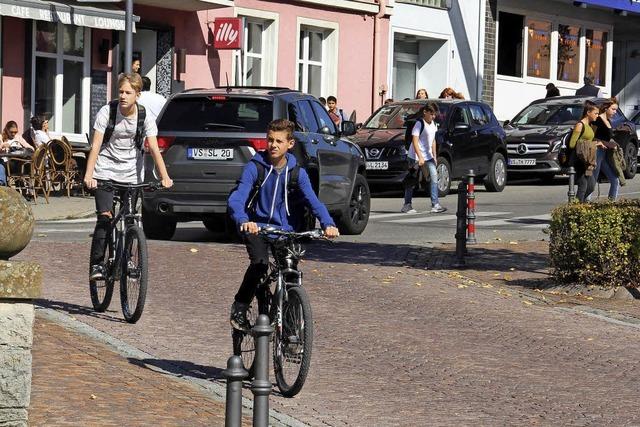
{"type": "Point", "coordinates": [113, 111]}
{"type": "Point", "coordinates": [410, 122]}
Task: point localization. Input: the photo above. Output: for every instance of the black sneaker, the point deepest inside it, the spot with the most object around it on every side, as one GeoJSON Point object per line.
{"type": "Point", "coordinates": [238, 318]}
{"type": "Point", "coordinates": [97, 272]}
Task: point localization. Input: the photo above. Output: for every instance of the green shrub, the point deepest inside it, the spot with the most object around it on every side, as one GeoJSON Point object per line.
{"type": "Point", "coordinates": [596, 243]}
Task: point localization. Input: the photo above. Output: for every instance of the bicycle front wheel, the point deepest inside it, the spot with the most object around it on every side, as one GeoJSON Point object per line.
{"type": "Point", "coordinates": [292, 344]}
{"type": "Point", "coordinates": [133, 280]}
{"type": "Point", "coordinates": [102, 290]}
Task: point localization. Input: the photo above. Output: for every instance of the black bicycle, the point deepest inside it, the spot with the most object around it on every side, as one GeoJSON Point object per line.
{"type": "Point", "coordinates": [126, 253]}
{"type": "Point", "coordinates": [288, 309]}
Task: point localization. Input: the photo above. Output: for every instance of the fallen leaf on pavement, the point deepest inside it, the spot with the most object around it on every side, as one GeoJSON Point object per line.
{"type": "Point", "coordinates": [93, 397]}
{"type": "Point", "coordinates": [498, 239]}
{"type": "Point", "coordinates": [506, 277]}
{"type": "Point", "coordinates": [461, 286]}
{"type": "Point", "coordinates": [42, 235]}
{"type": "Point", "coordinates": [589, 339]}
{"type": "Point", "coordinates": [512, 269]}
{"type": "Point", "coordinates": [527, 302]}
{"type": "Point", "coordinates": [487, 285]}
{"type": "Point", "coordinates": [193, 250]}
{"type": "Point", "coordinates": [496, 274]}
{"type": "Point", "coordinates": [590, 298]}
{"type": "Point", "coordinates": [418, 284]}
{"type": "Point", "coordinates": [513, 242]}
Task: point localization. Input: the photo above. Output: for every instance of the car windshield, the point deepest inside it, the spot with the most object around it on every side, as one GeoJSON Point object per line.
{"type": "Point", "coordinates": [394, 116]}
{"type": "Point", "coordinates": [548, 114]}
{"type": "Point", "coordinates": [216, 113]}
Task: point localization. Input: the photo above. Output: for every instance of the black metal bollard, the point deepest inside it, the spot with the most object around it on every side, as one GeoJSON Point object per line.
{"type": "Point", "coordinates": [461, 224]}
{"type": "Point", "coordinates": [471, 208]}
{"type": "Point", "coordinates": [235, 374]}
{"type": "Point", "coordinates": [261, 386]}
{"type": "Point", "coordinates": [571, 194]}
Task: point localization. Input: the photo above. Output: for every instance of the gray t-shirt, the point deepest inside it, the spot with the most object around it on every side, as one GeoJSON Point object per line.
{"type": "Point", "coordinates": [119, 159]}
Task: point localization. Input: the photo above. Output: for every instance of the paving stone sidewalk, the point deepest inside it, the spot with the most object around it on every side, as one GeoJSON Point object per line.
{"type": "Point", "coordinates": [78, 381]}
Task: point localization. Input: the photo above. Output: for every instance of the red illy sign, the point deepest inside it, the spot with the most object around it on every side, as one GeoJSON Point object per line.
{"type": "Point", "coordinates": [227, 33]}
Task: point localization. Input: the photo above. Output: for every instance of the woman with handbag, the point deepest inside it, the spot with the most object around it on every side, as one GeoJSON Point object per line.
{"type": "Point", "coordinates": [604, 133]}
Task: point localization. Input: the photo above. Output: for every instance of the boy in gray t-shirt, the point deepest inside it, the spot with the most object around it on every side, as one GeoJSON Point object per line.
{"type": "Point", "coordinates": [119, 160]}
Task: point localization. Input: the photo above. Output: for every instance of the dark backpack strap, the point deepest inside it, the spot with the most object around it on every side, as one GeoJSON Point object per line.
{"type": "Point", "coordinates": [139, 138]}
{"type": "Point", "coordinates": [113, 111]}
{"type": "Point", "coordinates": [292, 185]}
{"type": "Point", "coordinates": [256, 185]}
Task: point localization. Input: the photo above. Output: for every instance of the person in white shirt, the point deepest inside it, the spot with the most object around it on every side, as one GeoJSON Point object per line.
{"type": "Point", "coordinates": [423, 153]}
{"type": "Point", "coordinates": [39, 130]}
{"type": "Point", "coordinates": [153, 102]}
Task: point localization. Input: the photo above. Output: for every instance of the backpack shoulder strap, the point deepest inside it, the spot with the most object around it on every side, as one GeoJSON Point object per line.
{"type": "Point", "coordinates": [292, 185]}
{"type": "Point", "coordinates": [142, 115]}
{"type": "Point", "coordinates": [113, 111]}
{"type": "Point", "coordinates": [256, 184]}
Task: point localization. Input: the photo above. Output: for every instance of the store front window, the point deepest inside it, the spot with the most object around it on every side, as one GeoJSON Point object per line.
{"type": "Point", "coordinates": [568, 53]}
{"type": "Point", "coordinates": [539, 48]}
{"type": "Point", "coordinates": [60, 70]}
{"type": "Point", "coordinates": [596, 48]}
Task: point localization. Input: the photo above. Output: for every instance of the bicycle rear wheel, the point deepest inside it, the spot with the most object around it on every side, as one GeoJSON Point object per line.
{"type": "Point", "coordinates": [102, 290]}
{"type": "Point", "coordinates": [133, 280]}
{"type": "Point", "coordinates": [292, 345]}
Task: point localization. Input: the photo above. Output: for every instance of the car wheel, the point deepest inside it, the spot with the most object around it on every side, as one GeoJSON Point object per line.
{"type": "Point", "coordinates": [496, 179]}
{"type": "Point", "coordinates": [630, 156]}
{"type": "Point", "coordinates": [157, 227]}
{"type": "Point", "coordinates": [215, 224]}
{"type": "Point", "coordinates": [444, 177]}
{"type": "Point", "coordinates": [354, 217]}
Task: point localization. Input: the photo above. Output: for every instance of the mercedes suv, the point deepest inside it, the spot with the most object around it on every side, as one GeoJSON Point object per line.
{"type": "Point", "coordinates": [536, 134]}
{"type": "Point", "coordinates": [206, 136]}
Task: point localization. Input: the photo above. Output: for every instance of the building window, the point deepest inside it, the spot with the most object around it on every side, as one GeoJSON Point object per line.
{"type": "Point", "coordinates": [440, 4]}
{"type": "Point", "coordinates": [568, 53]}
{"type": "Point", "coordinates": [539, 48]}
{"type": "Point", "coordinates": [596, 47]}
{"type": "Point", "coordinates": [510, 30]}
{"type": "Point", "coordinates": [310, 65]}
{"type": "Point", "coordinates": [253, 54]}
{"type": "Point", "coordinates": [60, 67]}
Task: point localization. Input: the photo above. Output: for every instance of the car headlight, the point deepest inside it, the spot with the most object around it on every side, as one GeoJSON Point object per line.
{"type": "Point", "coordinates": [402, 151]}
{"type": "Point", "coordinates": [556, 146]}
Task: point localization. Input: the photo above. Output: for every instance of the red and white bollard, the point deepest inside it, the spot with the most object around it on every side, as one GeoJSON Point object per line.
{"type": "Point", "coordinates": [471, 208]}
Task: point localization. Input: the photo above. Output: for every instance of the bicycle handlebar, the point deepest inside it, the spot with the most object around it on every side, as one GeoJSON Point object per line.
{"type": "Point", "coordinates": [147, 186]}
{"type": "Point", "coordinates": [314, 234]}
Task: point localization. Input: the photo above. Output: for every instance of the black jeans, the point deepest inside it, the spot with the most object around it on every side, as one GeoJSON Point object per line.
{"type": "Point", "coordinates": [258, 248]}
{"type": "Point", "coordinates": [586, 184]}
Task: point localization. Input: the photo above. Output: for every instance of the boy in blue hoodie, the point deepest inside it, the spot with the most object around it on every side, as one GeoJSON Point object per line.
{"type": "Point", "coordinates": [270, 207]}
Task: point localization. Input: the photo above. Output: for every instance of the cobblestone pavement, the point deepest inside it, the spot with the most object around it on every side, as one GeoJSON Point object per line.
{"type": "Point", "coordinates": [81, 382]}
{"type": "Point", "coordinates": [395, 344]}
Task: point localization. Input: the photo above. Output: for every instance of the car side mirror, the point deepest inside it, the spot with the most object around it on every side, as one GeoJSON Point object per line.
{"type": "Point", "coordinates": [347, 128]}
{"type": "Point", "coordinates": [506, 123]}
{"type": "Point", "coordinates": [460, 127]}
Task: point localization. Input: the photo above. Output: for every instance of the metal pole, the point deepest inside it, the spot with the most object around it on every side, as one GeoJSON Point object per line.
{"type": "Point", "coordinates": [461, 224]}
{"type": "Point", "coordinates": [261, 386]}
{"type": "Point", "coordinates": [571, 194]}
{"type": "Point", "coordinates": [234, 374]}
{"type": "Point", "coordinates": [471, 208]}
{"type": "Point", "coordinates": [128, 36]}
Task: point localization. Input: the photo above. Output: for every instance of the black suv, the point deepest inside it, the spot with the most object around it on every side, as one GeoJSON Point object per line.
{"type": "Point", "coordinates": [207, 136]}
{"type": "Point", "coordinates": [536, 134]}
{"type": "Point", "coordinates": [469, 137]}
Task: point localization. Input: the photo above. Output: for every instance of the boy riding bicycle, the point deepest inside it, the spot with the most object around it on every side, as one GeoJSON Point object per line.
{"type": "Point", "coordinates": [270, 205]}
{"type": "Point", "coordinates": [116, 155]}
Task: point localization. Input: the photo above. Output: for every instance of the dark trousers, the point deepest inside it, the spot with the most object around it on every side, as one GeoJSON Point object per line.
{"type": "Point", "coordinates": [586, 185]}
{"type": "Point", "coordinates": [258, 249]}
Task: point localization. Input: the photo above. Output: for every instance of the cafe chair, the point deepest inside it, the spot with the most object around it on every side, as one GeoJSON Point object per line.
{"type": "Point", "coordinates": [63, 169]}
{"type": "Point", "coordinates": [28, 176]}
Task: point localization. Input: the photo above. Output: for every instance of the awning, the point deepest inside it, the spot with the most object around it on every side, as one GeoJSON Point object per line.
{"type": "Point", "coordinates": [67, 12]}
{"type": "Point", "coordinates": [626, 5]}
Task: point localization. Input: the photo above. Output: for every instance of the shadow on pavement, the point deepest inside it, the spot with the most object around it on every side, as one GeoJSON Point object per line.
{"type": "Point", "coordinates": [180, 368]}
{"type": "Point", "coordinates": [74, 309]}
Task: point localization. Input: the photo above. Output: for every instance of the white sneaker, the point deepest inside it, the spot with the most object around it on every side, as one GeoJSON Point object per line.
{"type": "Point", "coordinates": [407, 208]}
{"type": "Point", "coordinates": [438, 208]}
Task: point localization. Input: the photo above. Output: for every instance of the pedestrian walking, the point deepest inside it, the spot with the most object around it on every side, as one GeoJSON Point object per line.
{"type": "Point", "coordinates": [116, 155]}
{"type": "Point", "coordinates": [422, 155]}
{"type": "Point", "coordinates": [583, 131]}
{"type": "Point", "coordinates": [604, 133]}
{"type": "Point", "coordinates": [589, 89]}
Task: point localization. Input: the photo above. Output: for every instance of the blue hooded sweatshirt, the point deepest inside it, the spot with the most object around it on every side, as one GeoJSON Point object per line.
{"type": "Point", "coordinates": [272, 206]}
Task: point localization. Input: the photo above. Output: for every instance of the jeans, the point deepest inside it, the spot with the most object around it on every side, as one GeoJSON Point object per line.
{"type": "Point", "coordinates": [429, 168]}
{"type": "Point", "coordinates": [3, 173]}
{"type": "Point", "coordinates": [602, 163]}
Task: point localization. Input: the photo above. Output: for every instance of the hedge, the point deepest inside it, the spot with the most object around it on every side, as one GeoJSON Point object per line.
{"type": "Point", "coordinates": [596, 243]}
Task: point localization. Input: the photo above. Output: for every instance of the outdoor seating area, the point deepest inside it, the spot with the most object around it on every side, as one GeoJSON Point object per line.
{"type": "Point", "coordinates": [52, 169]}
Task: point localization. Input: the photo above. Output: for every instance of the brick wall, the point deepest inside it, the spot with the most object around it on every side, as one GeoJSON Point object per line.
{"type": "Point", "coordinates": [490, 35]}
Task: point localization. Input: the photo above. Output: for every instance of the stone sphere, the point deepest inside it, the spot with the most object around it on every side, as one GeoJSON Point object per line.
{"type": "Point", "coordinates": [16, 223]}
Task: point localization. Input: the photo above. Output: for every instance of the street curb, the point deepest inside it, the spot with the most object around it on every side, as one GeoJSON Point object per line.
{"type": "Point", "coordinates": [211, 389]}
{"type": "Point", "coordinates": [80, 215]}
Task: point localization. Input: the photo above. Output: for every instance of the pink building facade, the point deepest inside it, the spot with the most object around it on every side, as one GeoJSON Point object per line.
{"type": "Point", "coordinates": [61, 61]}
